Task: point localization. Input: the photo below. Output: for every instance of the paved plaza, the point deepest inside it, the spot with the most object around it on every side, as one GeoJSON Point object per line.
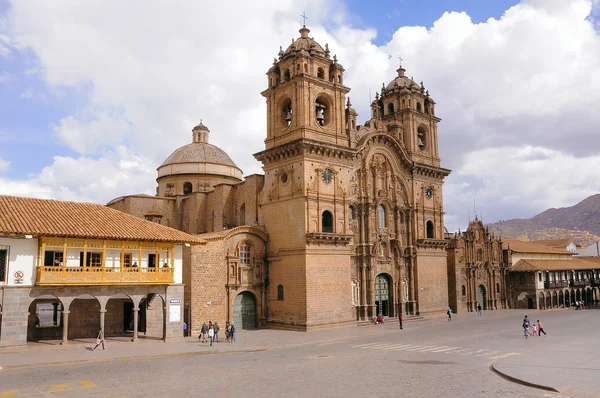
{"type": "Point", "coordinates": [431, 357]}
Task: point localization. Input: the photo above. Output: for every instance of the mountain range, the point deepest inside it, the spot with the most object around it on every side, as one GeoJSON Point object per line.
{"type": "Point", "coordinates": [580, 222]}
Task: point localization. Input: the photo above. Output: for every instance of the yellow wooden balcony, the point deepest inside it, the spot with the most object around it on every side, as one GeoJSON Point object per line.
{"type": "Point", "coordinates": [69, 275]}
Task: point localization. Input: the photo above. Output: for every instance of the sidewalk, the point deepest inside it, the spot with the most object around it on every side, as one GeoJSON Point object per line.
{"type": "Point", "coordinates": [571, 368]}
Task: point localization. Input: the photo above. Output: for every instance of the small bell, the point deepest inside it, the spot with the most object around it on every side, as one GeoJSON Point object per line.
{"type": "Point", "coordinates": [288, 116]}
{"type": "Point", "coordinates": [420, 141]}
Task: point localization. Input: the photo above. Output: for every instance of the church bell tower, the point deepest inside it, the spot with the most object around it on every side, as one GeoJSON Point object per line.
{"type": "Point", "coordinates": [307, 163]}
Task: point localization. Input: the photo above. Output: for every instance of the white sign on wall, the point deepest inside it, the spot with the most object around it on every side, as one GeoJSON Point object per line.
{"type": "Point", "coordinates": [174, 313]}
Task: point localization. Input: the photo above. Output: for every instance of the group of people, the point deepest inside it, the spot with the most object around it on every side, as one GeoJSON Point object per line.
{"type": "Point", "coordinates": [536, 330]}
{"type": "Point", "coordinates": [210, 332]}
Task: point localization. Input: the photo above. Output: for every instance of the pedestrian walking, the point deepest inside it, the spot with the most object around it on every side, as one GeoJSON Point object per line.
{"type": "Point", "coordinates": [534, 330]}
{"type": "Point", "coordinates": [217, 328]}
{"type": "Point", "coordinates": [100, 340]}
{"type": "Point", "coordinates": [204, 332]}
{"type": "Point", "coordinates": [478, 309]}
{"type": "Point", "coordinates": [526, 327]}
{"type": "Point", "coordinates": [184, 329]}
{"type": "Point", "coordinates": [227, 331]}
{"type": "Point", "coordinates": [540, 328]}
{"type": "Point", "coordinates": [449, 312]}
{"type": "Point", "coordinates": [232, 326]}
{"type": "Point", "coordinates": [400, 319]}
{"type": "Point", "coordinates": [211, 333]}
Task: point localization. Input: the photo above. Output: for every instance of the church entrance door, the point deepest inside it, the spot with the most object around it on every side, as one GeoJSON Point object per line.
{"type": "Point", "coordinates": [383, 297]}
{"type": "Point", "coordinates": [481, 298]}
{"type": "Point", "coordinates": [244, 311]}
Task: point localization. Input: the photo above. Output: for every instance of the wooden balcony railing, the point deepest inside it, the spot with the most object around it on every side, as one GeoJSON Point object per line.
{"type": "Point", "coordinates": [103, 276]}
{"type": "Point", "coordinates": [550, 284]}
{"type": "Point", "coordinates": [580, 282]}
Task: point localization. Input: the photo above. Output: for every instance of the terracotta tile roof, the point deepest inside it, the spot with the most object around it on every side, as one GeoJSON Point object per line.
{"type": "Point", "coordinates": [519, 246]}
{"type": "Point", "coordinates": [554, 265]}
{"type": "Point", "coordinates": [556, 243]}
{"type": "Point", "coordinates": [43, 217]}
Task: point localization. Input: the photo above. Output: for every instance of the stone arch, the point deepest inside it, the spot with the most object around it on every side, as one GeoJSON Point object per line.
{"type": "Point", "coordinates": [151, 320]}
{"type": "Point", "coordinates": [561, 299]}
{"type": "Point", "coordinates": [548, 301]}
{"type": "Point", "coordinates": [554, 299]}
{"type": "Point", "coordinates": [323, 109]}
{"type": "Point", "coordinates": [385, 144]}
{"type": "Point", "coordinates": [430, 229]}
{"type": "Point", "coordinates": [187, 188]}
{"type": "Point", "coordinates": [573, 297]}
{"type": "Point", "coordinates": [326, 221]}
{"type": "Point", "coordinates": [542, 302]}
{"type": "Point", "coordinates": [578, 295]}
{"type": "Point", "coordinates": [119, 315]}
{"type": "Point", "coordinates": [44, 319]}
{"type": "Point", "coordinates": [84, 316]}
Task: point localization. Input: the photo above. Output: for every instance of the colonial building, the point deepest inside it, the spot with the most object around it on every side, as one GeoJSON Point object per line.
{"type": "Point", "coordinates": [67, 269]}
{"type": "Point", "coordinates": [477, 272]}
{"type": "Point", "coordinates": [346, 222]}
{"type": "Point", "coordinates": [543, 277]}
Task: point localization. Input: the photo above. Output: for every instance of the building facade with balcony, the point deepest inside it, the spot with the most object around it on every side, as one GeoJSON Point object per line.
{"type": "Point", "coordinates": [543, 277]}
{"type": "Point", "coordinates": [67, 269]}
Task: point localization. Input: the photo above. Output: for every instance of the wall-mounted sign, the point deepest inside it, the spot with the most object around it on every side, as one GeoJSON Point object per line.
{"type": "Point", "coordinates": [174, 313]}
{"type": "Point", "coordinates": [19, 277]}
{"type": "Point", "coordinates": [175, 301]}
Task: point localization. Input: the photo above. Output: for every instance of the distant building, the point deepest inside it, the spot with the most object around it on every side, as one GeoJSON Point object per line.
{"type": "Point", "coordinates": [543, 277]}
{"type": "Point", "coordinates": [68, 269]}
{"type": "Point", "coordinates": [477, 273]}
{"type": "Point", "coordinates": [592, 250]}
{"type": "Point", "coordinates": [566, 244]}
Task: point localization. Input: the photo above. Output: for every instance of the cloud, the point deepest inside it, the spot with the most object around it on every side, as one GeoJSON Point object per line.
{"type": "Point", "coordinates": [4, 165]}
{"type": "Point", "coordinates": [522, 89]}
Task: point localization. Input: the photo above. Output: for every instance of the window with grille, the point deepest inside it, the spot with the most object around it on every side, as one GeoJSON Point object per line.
{"type": "Point", "coordinates": [127, 260]}
{"type": "Point", "coordinates": [95, 259]}
{"type": "Point", "coordinates": [280, 292]}
{"type": "Point", "coordinates": [3, 264]}
{"type": "Point", "coordinates": [245, 255]}
{"type": "Point", "coordinates": [53, 258]}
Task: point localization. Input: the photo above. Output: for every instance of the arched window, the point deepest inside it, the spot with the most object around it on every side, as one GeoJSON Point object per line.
{"type": "Point", "coordinates": [339, 79]}
{"type": "Point", "coordinates": [287, 75]}
{"type": "Point", "coordinates": [320, 73]}
{"type": "Point", "coordinates": [429, 230]}
{"type": "Point", "coordinates": [390, 108]}
{"type": "Point", "coordinates": [351, 214]}
{"type": "Point", "coordinates": [327, 222]}
{"type": "Point", "coordinates": [464, 290]}
{"type": "Point", "coordinates": [187, 188]}
{"type": "Point", "coordinates": [419, 106]}
{"type": "Point", "coordinates": [497, 288]}
{"type": "Point", "coordinates": [381, 218]}
{"type": "Point", "coordinates": [244, 255]}
{"type": "Point", "coordinates": [280, 292]}
{"type": "Point", "coordinates": [421, 138]}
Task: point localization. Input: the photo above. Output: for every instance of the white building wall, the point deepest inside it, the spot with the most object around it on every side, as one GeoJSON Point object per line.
{"type": "Point", "coordinates": [22, 255]}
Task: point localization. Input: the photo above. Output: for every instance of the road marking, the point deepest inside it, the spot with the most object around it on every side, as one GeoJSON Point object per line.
{"type": "Point", "coordinates": [383, 346]}
{"type": "Point", "coordinates": [447, 349]}
{"type": "Point", "coordinates": [434, 348]}
{"type": "Point", "coordinates": [489, 353]}
{"type": "Point", "coordinates": [364, 345]}
{"type": "Point", "coordinates": [510, 354]}
{"type": "Point", "coordinates": [420, 348]}
{"type": "Point", "coordinates": [47, 389]}
{"type": "Point", "coordinates": [458, 351]}
{"type": "Point", "coordinates": [402, 347]}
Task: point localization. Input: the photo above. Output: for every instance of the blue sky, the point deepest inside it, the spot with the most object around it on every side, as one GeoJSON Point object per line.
{"type": "Point", "coordinates": [94, 96]}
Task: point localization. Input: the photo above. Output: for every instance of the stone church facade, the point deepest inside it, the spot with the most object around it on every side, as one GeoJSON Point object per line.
{"type": "Point", "coordinates": [478, 272]}
{"type": "Point", "coordinates": [346, 222]}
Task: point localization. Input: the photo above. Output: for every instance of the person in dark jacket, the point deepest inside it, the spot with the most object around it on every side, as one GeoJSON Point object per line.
{"type": "Point", "coordinates": [204, 332]}
{"type": "Point", "coordinates": [216, 328]}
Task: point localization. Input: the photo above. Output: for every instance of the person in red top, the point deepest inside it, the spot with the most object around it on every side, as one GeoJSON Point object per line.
{"type": "Point", "coordinates": [540, 328]}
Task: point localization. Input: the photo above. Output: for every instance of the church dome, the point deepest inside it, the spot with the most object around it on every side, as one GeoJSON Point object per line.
{"type": "Point", "coordinates": [199, 157]}
{"type": "Point", "coordinates": [199, 152]}
{"type": "Point", "coordinates": [401, 81]}
{"type": "Point", "coordinates": [305, 43]}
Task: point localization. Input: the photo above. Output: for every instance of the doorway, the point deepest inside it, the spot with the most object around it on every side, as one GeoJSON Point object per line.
{"type": "Point", "coordinates": [481, 297]}
{"type": "Point", "coordinates": [383, 297]}
{"type": "Point", "coordinates": [244, 311]}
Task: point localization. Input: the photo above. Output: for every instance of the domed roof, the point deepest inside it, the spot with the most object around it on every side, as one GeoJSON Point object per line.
{"type": "Point", "coordinates": [305, 43]}
{"type": "Point", "coordinates": [199, 152]}
{"type": "Point", "coordinates": [401, 81]}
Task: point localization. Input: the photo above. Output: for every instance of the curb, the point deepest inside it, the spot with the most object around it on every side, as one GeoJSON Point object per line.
{"type": "Point", "coordinates": [519, 381]}
{"type": "Point", "coordinates": [125, 358]}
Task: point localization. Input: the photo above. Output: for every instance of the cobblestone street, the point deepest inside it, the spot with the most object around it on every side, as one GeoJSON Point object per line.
{"type": "Point", "coordinates": [429, 358]}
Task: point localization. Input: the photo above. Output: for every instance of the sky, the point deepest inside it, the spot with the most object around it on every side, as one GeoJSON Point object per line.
{"type": "Point", "coordinates": [95, 95]}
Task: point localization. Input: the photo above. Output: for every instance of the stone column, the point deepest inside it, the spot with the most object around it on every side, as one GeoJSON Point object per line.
{"type": "Point", "coordinates": [102, 312]}
{"type": "Point", "coordinates": [135, 324]}
{"type": "Point", "coordinates": [363, 291]}
{"type": "Point", "coordinates": [65, 325]}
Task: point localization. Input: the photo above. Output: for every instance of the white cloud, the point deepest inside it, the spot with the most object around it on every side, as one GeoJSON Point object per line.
{"type": "Point", "coordinates": [4, 165]}
{"type": "Point", "coordinates": [147, 72]}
